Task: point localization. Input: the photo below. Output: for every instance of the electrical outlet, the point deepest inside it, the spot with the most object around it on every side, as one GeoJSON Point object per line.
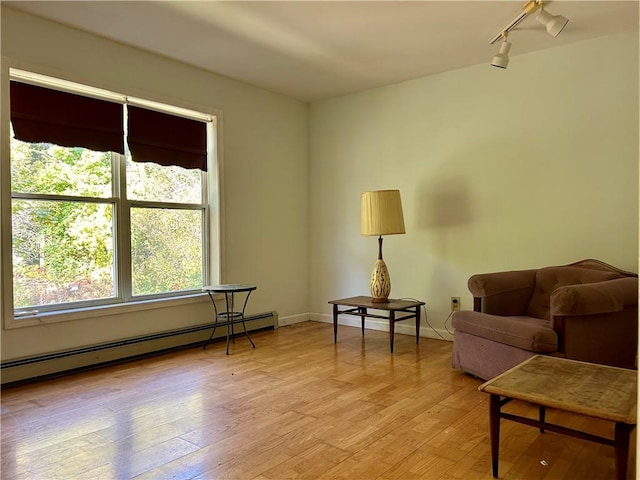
{"type": "Point", "coordinates": [455, 304]}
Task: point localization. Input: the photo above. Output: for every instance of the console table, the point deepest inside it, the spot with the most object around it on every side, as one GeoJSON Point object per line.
{"type": "Point", "coordinates": [359, 307]}
{"type": "Point", "coordinates": [230, 316]}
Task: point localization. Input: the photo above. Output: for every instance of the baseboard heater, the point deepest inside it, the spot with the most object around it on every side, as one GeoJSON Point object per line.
{"type": "Point", "coordinates": [78, 359]}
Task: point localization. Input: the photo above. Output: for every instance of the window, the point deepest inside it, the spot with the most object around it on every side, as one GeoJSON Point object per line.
{"type": "Point", "coordinates": [167, 216]}
{"type": "Point", "coordinates": [62, 225]}
{"type": "Point", "coordinates": [92, 225]}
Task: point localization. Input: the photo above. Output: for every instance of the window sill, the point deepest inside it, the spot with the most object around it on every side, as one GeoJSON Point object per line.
{"type": "Point", "coordinates": [44, 318]}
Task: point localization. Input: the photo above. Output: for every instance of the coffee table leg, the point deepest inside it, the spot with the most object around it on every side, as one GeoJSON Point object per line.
{"type": "Point", "coordinates": [335, 323]}
{"type": "Point", "coordinates": [542, 415]}
{"type": "Point", "coordinates": [494, 431]}
{"type": "Point", "coordinates": [621, 439]}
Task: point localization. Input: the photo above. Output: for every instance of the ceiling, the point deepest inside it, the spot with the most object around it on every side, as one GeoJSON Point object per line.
{"type": "Point", "coordinates": [312, 50]}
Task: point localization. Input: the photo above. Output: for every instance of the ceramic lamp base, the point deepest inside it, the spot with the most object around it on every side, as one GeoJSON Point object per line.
{"type": "Point", "coordinates": [380, 283]}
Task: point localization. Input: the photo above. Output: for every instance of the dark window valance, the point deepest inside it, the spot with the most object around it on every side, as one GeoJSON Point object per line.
{"type": "Point", "coordinates": [40, 114]}
{"type": "Point", "coordinates": [166, 139]}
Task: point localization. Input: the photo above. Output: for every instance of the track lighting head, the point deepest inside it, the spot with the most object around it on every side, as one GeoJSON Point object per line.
{"type": "Point", "coordinates": [501, 58]}
{"type": "Point", "coordinates": [553, 23]}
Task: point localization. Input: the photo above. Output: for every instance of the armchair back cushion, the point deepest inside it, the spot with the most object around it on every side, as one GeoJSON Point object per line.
{"type": "Point", "coordinates": [504, 294]}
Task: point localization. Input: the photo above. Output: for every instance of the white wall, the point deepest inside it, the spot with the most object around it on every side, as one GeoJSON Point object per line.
{"type": "Point", "coordinates": [265, 176]}
{"type": "Point", "coordinates": [498, 169]}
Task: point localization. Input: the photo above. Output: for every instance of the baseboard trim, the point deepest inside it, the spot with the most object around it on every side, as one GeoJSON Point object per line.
{"type": "Point", "coordinates": [291, 319]}
{"type": "Point", "coordinates": [406, 328]}
{"type": "Point", "coordinates": [68, 361]}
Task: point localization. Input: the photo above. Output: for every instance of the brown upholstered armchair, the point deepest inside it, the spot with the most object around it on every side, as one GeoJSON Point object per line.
{"type": "Point", "coordinates": [584, 311]}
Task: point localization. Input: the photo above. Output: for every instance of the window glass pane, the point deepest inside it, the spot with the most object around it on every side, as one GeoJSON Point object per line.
{"type": "Point", "coordinates": [166, 250]}
{"type": "Point", "coordinates": [157, 183]}
{"type": "Point", "coordinates": [50, 169]}
{"type": "Point", "coordinates": [62, 252]}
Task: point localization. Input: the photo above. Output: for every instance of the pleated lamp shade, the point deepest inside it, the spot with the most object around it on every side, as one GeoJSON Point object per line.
{"type": "Point", "coordinates": [381, 213]}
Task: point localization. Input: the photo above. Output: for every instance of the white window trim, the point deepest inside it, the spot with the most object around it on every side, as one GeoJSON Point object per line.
{"type": "Point", "coordinates": [215, 218]}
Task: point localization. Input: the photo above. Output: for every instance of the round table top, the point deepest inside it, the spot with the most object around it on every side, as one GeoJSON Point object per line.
{"type": "Point", "coordinates": [229, 287]}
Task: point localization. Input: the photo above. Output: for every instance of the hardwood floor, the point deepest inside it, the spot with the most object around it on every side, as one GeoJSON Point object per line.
{"type": "Point", "coordinates": [297, 406]}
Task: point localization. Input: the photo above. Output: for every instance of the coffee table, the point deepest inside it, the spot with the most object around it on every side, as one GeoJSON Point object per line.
{"type": "Point", "coordinates": [598, 391]}
{"type": "Point", "coordinates": [359, 307]}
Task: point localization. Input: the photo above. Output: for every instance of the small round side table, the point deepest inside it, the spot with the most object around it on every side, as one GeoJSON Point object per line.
{"type": "Point", "coordinates": [230, 316]}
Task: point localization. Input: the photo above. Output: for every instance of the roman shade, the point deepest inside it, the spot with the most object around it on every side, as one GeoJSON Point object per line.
{"type": "Point", "coordinates": [43, 115]}
{"type": "Point", "coordinates": [166, 139]}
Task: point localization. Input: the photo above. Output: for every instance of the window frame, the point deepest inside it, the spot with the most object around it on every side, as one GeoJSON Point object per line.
{"type": "Point", "coordinates": [124, 300]}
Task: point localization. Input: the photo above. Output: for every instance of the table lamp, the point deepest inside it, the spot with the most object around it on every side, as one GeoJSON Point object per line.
{"type": "Point", "coordinates": [381, 214]}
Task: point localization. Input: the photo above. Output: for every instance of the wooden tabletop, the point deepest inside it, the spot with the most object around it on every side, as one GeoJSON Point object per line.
{"type": "Point", "coordinates": [599, 391]}
{"type": "Point", "coordinates": [366, 302]}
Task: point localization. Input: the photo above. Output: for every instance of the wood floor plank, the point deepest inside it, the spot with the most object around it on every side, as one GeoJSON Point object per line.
{"type": "Point", "coordinates": [298, 406]}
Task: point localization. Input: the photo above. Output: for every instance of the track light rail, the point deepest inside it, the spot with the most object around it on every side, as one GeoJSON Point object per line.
{"type": "Point", "coordinates": [528, 8]}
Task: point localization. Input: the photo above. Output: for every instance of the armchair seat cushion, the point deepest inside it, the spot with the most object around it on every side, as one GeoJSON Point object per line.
{"type": "Point", "coordinates": [527, 333]}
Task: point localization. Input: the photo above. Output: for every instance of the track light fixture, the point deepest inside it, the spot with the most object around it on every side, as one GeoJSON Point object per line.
{"type": "Point", "coordinates": [553, 23]}
{"type": "Point", "coordinates": [501, 58]}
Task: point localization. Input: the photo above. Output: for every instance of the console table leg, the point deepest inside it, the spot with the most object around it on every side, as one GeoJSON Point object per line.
{"type": "Point", "coordinates": [621, 436]}
{"type": "Point", "coordinates": [363, 314]}
{"type": "Point", "coordinates": [392, 323]}
{"type": "Point", "coordinates": [494, 431]}
{"type": "Point", "coordinates": [335, 323]}
{"type": "Point", "coordinates": [418, 324]}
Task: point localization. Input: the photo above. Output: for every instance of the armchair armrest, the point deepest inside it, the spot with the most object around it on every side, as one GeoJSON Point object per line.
{"type": "Point", "coordinates": [598, 322]}
{"type": "Point", "coordinates": [595, 298]}
{"type": "Point", "coordinates": [502, 293]}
